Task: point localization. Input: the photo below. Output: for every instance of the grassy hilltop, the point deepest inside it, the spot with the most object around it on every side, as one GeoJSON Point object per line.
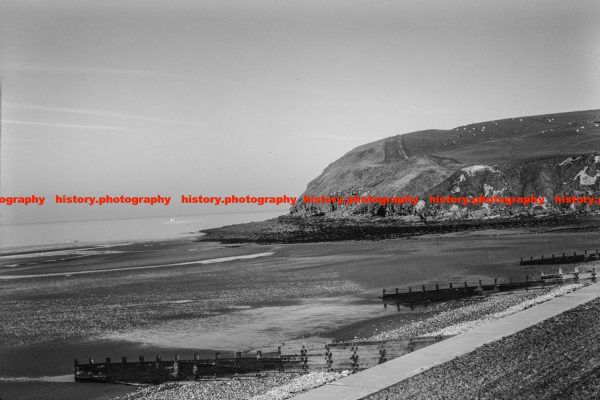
{"type": "Point", "coordinates": [535, 155]}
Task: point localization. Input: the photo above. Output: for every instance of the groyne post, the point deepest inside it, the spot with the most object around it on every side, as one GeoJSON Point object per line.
{"type": "Point", "coordinates": [382, 352]}
{"type": "Point", "coordinates": [216, 370]}
{"type": "Point", "coordinates": [175, 372]}
{"type": "Point", "coordinates": [328, 357]}
{"type": "Point", "coordinates": [354, 357]}
{"type": "Point", "coordinates": [304, 357]}
{"type": "Point", "coordinates": [281, 364]}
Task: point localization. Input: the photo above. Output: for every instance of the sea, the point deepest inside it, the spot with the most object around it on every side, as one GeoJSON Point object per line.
{"type": "Point", "coordinates": [119, 230]}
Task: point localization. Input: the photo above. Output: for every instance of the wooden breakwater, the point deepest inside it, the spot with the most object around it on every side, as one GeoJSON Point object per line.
{"type": "Point", "coordinates": [452, 291]}
{"type": "Point", "coordinates": [353, 356]}
{"type": "Point", "coordinates": [564, 258]}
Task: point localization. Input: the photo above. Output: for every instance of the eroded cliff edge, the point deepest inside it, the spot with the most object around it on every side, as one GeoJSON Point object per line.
{"type": "Point", "coordinates": [543, 155]}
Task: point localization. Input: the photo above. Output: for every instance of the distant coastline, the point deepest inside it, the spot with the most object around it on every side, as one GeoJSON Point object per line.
{"type": "Point", "coordinates": [299, 229]}
{"type": "Point", "coordinates": [74, 234]}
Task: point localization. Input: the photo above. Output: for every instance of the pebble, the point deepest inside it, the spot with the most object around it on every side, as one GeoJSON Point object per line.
{"type": "Point", "coordinates": [556, 359]}
{"type": "Point", "coordinates": [449, 318]}
{"type": "Point", "coordinates": [270, 387]}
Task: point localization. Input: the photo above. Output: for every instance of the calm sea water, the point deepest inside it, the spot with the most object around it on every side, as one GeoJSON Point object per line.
{"type": "Point", "coordinates": [156, 228]}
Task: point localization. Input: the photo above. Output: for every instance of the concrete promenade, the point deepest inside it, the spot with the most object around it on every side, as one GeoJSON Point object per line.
{"type": "Point", "coordinates": [374, 379]}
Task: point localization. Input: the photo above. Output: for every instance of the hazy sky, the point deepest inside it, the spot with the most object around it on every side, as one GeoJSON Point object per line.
{"type": "Point", "coordinates": [219, 97]}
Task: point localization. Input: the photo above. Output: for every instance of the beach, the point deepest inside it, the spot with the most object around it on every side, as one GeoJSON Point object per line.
{"type": "Point", "coordinates": [183, 296]}
{"type": "Point", "coordinates": [452, 318]}
{"type": "Point", "coordinates": [556, 359]}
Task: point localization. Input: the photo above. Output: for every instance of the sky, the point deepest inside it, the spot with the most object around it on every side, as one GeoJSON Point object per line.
{"type": "Point", "coordinates": [146, 97]}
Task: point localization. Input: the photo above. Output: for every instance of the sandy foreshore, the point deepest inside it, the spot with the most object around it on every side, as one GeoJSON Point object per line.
{"type": "Point", "coordinates": [556, 359]}
{"type": "Point", "coordinates": [316, 292]}
{"type": "Point", "coordinates": [269, 387]}
{"type": "Point", "coordinates": [61, 391]}
{"type": "Point", "coordinates": [451, 318]}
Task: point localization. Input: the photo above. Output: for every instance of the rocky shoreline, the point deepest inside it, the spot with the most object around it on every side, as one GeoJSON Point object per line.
{"type": "Point", "coordinates": [449, 318]}
{"type": "Point", "coordinates": [296, 229]}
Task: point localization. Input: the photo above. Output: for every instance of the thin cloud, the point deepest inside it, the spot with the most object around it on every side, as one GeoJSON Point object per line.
{"type": "Point", "coordinates": [55, 125]}
{"type": "Point", "coordinates": [85, 70]}
{"type": "Point", "coordinates": [9, 140]}
{"type": "Point", "coordinates": [100, 113]}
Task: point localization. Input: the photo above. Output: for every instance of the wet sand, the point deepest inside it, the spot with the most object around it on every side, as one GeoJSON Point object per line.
{"type": "Point", "coordinates": [455, 316]}
{"type": "Point", "coordinates": [121, 311]}
{"type": "Point", "coordinates": [62, 391]}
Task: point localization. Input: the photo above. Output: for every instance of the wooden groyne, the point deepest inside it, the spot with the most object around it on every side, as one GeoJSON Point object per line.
{"type": "Point", "coordinates": [452, 291]}
{"type": "Point", "coordinates": [562, 259]}
{"type": "Point", "coordinates": [353, 356]}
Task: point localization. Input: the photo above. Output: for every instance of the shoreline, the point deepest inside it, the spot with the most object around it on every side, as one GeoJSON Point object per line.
{"type": "Point", "coordinates": [334, 265]}
{"type": "Point", "coordinates": [250, 232]}
{"type": "Point", "coordinates": [552, 358]}
{"type": "Point", "coordinates": [295, 385]}
{"type": "Point", "coordinates": [145, 267]}
{"type": "Point", "coordinates": [369, 329]}
{"type": "Point", "coordinates": [290, 229]}
{"type": "Point", "coordinates": [36, 236]}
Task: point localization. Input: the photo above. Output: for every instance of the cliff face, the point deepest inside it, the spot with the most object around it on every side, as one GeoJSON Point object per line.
{"type": "Point", "coordinates": [576, 175]}
{"type": "Point", "coordinates": [538, 155]}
